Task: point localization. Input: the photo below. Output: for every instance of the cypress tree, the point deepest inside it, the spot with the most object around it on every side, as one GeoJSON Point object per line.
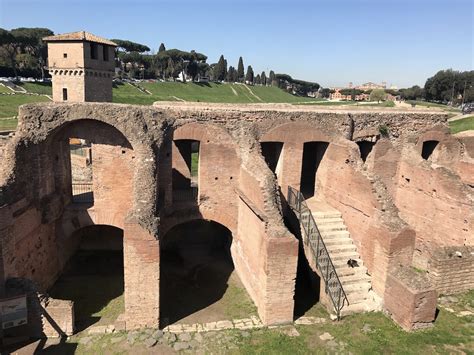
{"type": "Point", "coordinates": [240, 70]}
{"type": "Point", "coordinates": [272, 77]}
{"type": "Point", "coordinates": [220, 69]}
{"type": "Point", "coordinates": [249, 75]}
{"type": "Point", "coordinates": [263, 78]}
{"type": "Point", "coordinates": [258, 79]}
{"type": "Point", "coordinates": [162, 48]}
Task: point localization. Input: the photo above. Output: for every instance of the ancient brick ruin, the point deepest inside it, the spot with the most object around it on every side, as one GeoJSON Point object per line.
{"type": "Point", "coordinates": [395, 197]}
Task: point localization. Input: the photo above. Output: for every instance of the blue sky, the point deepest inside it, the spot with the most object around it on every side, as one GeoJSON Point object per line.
{"type": "Point", "coordinates": [328, 41]}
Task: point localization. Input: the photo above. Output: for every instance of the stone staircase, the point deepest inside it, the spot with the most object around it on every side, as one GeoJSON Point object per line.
{"type": "Point", "coordinates": [355, 281]}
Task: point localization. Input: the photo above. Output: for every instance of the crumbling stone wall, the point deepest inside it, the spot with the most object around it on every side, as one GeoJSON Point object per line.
{"type": "Point", "coordinates": [133, 187]}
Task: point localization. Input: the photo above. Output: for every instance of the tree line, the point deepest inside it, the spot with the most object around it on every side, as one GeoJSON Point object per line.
{"type": "Point", "coordinates": [23, 53]}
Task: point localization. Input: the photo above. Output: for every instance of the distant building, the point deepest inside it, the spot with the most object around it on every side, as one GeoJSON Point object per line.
{"type": "Point", "coordinates": [82, 66]}
{"type": "Point", "coordinates": [370, 86]}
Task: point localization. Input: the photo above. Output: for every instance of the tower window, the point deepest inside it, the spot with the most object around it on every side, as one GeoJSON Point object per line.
{"type": "Point", "coordinates": [64, 94]}
{"type": "Point", "coordinates": [105, 52]}
{"type": "Point", "coordinates": [64, 55]}
{"type": "Point", "coordinates": [94, 50]}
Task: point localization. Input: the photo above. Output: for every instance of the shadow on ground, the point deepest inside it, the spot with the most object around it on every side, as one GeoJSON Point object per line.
{"type": "Point", "coordinates": [94, 281]}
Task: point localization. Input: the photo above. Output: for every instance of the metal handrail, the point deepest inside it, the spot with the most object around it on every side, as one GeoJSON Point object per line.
{"type": "Point", "coordinates": [82, 192]}
{"type": "Point", "coordinates": [322, 258]}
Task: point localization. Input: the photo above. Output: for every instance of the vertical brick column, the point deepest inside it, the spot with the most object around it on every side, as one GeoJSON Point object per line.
{"type": "Point", "coordinates": [280, 272]}
{"type": "Point", "coordinates": [142, 277]}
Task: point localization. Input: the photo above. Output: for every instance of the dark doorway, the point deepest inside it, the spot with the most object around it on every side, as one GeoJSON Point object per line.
{"type": "Point", "coordinates": [185, 170]}
{"type": "Point", "coordinates": [93, 278]}
{"type": "Point", "coordinates": [307, 285]}
{"type": "Point", "coordinates": [313, 153]}
{"type": "Point", "coordinates": [365, 147]}
{"type": "Point", "coordinates": [195, 267]}
{"type": "Point", "coordinates": [271, 152]}
{"type": "Point", "coordinates": [428, 149]}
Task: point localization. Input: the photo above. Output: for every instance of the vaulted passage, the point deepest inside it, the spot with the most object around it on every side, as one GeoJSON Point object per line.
{"type": "Point", "coordinates": [197, 281]}
{"type": "Point", "coordinates": [313, 153]}
{"type": "Point", "coordinates": [365, 147]}
{"type": "Point", "coordinates": [428, 149]}
{"type": "Point", "coordinates": [93, 277]}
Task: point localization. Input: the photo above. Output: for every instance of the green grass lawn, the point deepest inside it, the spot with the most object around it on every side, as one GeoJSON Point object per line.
{"type": "Point", "coordinates": [4, 90]}
{"type": "Point", "coordinates": [219, 93]}
{"type": "Point", "coordinates": [428, 104]}
{"type": "Point", "coordinates": [464, 124]}
{"type": "Point", "coordinates": [9, 103]}
{"type": "Point", "coordinates": [37, 88]}
{"type": "Point", "coordinates": [8, 124]}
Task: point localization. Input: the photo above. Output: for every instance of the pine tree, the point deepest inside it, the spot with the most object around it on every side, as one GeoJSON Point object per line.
{"type": "Point", "coordinates": [263, 78]}
{"type": "Point", "coordinates": [249, 75]}
{"type": "Point", "coordinates": [240, 70]}
{"type": "Point", "coordinates": [162, 48]}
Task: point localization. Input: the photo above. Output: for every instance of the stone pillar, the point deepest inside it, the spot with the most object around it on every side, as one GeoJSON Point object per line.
{"type": "Point", "coordinates": [142, 276]}
{"type": "Point", "coordinates": [280, 272]}
{"type": "Point", "coordinates": [410, 298]}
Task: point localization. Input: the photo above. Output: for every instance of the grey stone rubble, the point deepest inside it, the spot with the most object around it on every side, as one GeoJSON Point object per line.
{"type": "Point", "coordinates": [241, 324]}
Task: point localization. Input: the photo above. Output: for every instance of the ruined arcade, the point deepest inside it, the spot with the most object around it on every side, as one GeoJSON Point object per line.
{"type": "Point", "coordinates": [248, 157]}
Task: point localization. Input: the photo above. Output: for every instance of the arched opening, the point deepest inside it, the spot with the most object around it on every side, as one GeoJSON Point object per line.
{"type": "Point", "coordinates": [93, 278]}
{"type": "Point", "coordinates": [94, 164]}
{"type": "Point", "coordinates": [428, 148]}
{"type": "Point", "coordinates": [313, 153]}
{"type": "Point", "coordinates": [271, 152]}
{"type": "Point", "coordinates": [365, 147]}
{"type": "Point", "coordinates": [185, 171]}
{"type": "Point", "coordinates": [198, 283]}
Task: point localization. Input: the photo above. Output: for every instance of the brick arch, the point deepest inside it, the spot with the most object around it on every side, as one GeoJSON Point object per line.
{"type": "Point", "coordinates": [206, 133]}
{"type": "Point", "coordinates": [228, 221]}
{"type": "Point", "coordinates": [211, 217]}
{"type": "Point", "coordinates": [295, 132]}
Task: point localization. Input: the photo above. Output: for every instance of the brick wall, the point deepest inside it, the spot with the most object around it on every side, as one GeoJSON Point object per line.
{"type": "Point", "coordinates": [451, 269]}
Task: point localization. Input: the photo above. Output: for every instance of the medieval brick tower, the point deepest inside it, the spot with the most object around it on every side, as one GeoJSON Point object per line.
{"type": "Point", "coordinates": [82, 66]}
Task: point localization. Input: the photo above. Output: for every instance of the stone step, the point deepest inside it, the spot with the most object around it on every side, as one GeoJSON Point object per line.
{"type": "Point", "coordinates": [348, 271]}
{"type": "Point", "coordinates": [345, 256]}
{"type": "Point", "coordinates": [341, 247]}
{"type": "Point", "coordinates": [357, 296]}
{"type": "Point", "coordinates": [337, 239]}
{"type": "Point", "coordinates": [332, 228]}
{"type": "Point", "coordinates": [354, 278]}
{"type": "Point", "coordinates": [361, 286]}
{"type": "Point", "coordinates": [342, 264]}
{"type": "Point", "coordinates": [328, 234]}
{"type": "Point", "coordinates": [353, 308]}
{"type": "Point", "coordinates": [319, 214]}
{"type": "Point", "coordinates": [323, 221]}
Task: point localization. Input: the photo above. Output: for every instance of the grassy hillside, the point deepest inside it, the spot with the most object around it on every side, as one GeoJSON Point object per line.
{"type": "Point", "coordinates": [464, 124]}
{"type": "Point", "coordinates": [204, 92]}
